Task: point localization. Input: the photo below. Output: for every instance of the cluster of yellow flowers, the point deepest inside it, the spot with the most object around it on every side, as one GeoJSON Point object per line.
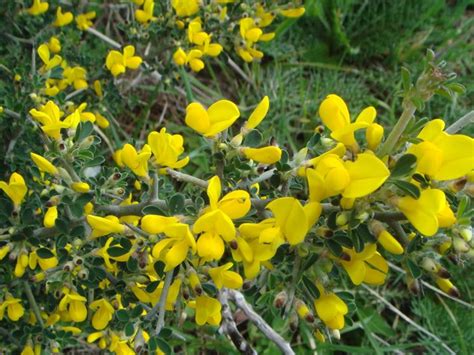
{"type": "Point", "coordinates": [198, 248]}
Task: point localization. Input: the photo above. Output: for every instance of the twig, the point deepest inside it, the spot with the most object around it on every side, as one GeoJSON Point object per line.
{"type": "Point", "coordinates": [427, 285]}
{"type": "Point", "coordinates": [464, 121]}
{"type": "Point", "coordinates": [104, 38]}
{"type": "Point", "coordinates": [402, 236]}
{"type": "Point", "coordinates": [131, 210]}
{"type": "Point", "coordinates": [11, 113]}
{"type": "Point", "coordinates": [186, 178]}
{"type": "Point", "coordinates": [408, 320]}
{"type": "Point", "coordinates": [154, 187]}
{"type": "Point", "coordinates": [240, 301]}
{"type": "Point", "coordinates": [294, 281]}
{"type": "Point", "coordinates": [239, 71]}
{"type": "Point", "coordinates": [161, 305]}
{"type": "Point", "coordinates": [33, 304]}
{"type": "Point", "coordinates": [264, 176]}
{"type": "Point", "coordinates": [229, 327]}
{"type": "Point", "coordinates": [397, 130]}
{"type": "Point", "coordinates": [74, 93]}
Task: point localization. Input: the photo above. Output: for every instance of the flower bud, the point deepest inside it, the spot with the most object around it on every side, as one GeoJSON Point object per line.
{"type": "Point", "coordinates": [319, 336]}
{"type": "Point", "coordinates": [303, 311]}
{"type": "Point", "coordinates": [280, 299]}
{"type": "Point", "coordinates": [336, 334]}
{"type": "Point", "coordinates": [460, 245]}
{"type": "Point", "coordinates": [341, 219]}
{"type": "Point", "coordinates": [429, 265]}
{"type": "Point", "coordinates": [413, 285]}
{"type": "Point", "coordinates": [447, 286]}
{"type": "Point", "coordinates": [347, 203]}
{"type": "Point", "coordinates": [86, 143]}
{"type": "Point", "coordinates": [466, 233]}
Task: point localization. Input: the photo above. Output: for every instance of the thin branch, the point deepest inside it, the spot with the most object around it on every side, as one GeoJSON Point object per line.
{"type": "Point", "coordinates": [186, 178]}
{"type": "Point", "coordinates": [431, 287]}
{"type": "Point", "coordinates": [408, 320]}
{"type": "Point", "coordinates": [161, 305]}
{"type": "Point", "coordinates": [464, 121]}
{"type": "Point", "coordinates": [154, 187]}
{"type": "Point", "coordinates": [105, 38]}
{"type": "Point", "coordinates": [240, 301]}
{"type": "Point", "coordinates": [229, 327]}
{"type": "Point", "coordinates": [131, 210]}
{"type": "Point", "coordinates": [33, 304]}
{"type": "Point", "coordinates": [294, 281]}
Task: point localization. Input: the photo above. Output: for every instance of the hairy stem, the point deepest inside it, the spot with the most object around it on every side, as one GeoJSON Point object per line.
{"type": "Point", "coordinates": [33, 304]}
{"type": "Point", "coordinates": [186, 178]}
{"type": "Point", "coordinates": [464, 121]}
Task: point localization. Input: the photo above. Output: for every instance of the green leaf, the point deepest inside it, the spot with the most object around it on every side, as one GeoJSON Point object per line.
{"type": "Point", "coordinates": [56, 73]}
{"type": "Point", "coordinates": [457, 88]}
{"type": "Point", "coordinates": [406, 80]}
{"type": "Point", "coordinates": [334, 247]}
{"type": "Point", "coordinates": [176, 203]}
{"type": "Point", "coordinates": [44, 253]}
{"type": "Point", "coordinates": [310, 261]}
{"type": "Point", "coordinates": [116, 251]}
{"type": "Point", "coordinates": [122, 315]}
{"type": "Point", "coordinates": [408, 188]}
{"type": "Point", "coordinates": [253, 139]}
{"type": "Point", "coordinates": [311, 287]}
{"type": "Point", "coordinates": [209, 288]}
{"type": "Point", "coordinates": [159, 267]}
{"type": "Point", "coordinates": [415, 271]}
{"type": "Point", "coordinates": [153, 210]}
{"type": "Point", "coordinates": [374, 322]}
{"type": "Point", "coordinates": [132, 265]}
{"type": "Point", "coordinates": [404, 166]}
{"type": "Point", "coordinates": [137, 311]}
{"type": "Point", "coordinates": [84, 129]}
{"type": "Point", "coordinates": [151, 287]}
{"type": "Point", "coordinates": [129, 329]}
{"type": "Point", "coordinates": [314, 140]}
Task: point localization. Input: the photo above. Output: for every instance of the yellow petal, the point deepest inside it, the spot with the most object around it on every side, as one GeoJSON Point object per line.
{"type": "Point", "coordinates": [291, 218]}
{"type": "Point", "coordinates": [214, 191]}
{"type": "Point", "coordinates": [258, 114]}
{"type": "Point", "coordinates": [265, 155]}
{"type": "Point", "coordinates": [367, 174]}
{"type": "Point", "coordinates": [222, 114]}
{"type": "Point", "coordinates": [334, 113]}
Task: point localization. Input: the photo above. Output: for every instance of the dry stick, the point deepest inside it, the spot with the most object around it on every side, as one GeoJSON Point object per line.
{"type": "Point", "coordinates": [269, 332]}
{"type": "Point", "coordinates": [426, 284]}
{"type": "Point", "coordinates": [229, 327]}
{"type": "Point", "coordinates": [408, 320]}
{"type": "Point", "coordinates": [464, 121]}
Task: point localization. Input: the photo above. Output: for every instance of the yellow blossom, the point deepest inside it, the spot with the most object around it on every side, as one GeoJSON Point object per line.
{"type": "Point", "coordinates": [265, 155]}
{"type": "Point", "coordinates": [15, 189]}
{"type": "Point", "coordinates": [208, 310]}
{"type": "Point", "coordinates": [14, 308]}
{"type": "Point", "coordinates": [83, 21]}
{"type": "Point", "coordinates": [443, 156]}
{"type": "Point", "coordinates": [167, 148]}
{"type": "Point", "coordinates": [145, 15]}
{"type": "Point", "coordinates": [45, 56]}
{"type": "Point", "coordinates": [43, 164]}
{"type": "Point", "coordinates": [293, 13]}
{"type": "Point", "coordinates": [101, 120]}
{"type": "Point", "coordinates": [75, 76]}
{"type": "Point", "coordinates": [44, 263]}
{"type": "Point", "coordinates": [235, 204]}
{"type": "Point", "coordinates": [80, 186]}
{"type": "Point", "coordinates": [49, 116]}
{"type": "Point", "coordinates": [104, 225]}
{"type": "Point", "coordinates": [54, 45]}
{"type": "Point", "coordinates": [21, 264]}
{"type": "Point", "coordinates": [222, 277]}
{"type": "Point", "coordinates": [185, 8]}
{"type": "Point", "coordinates": [103, 313]}
{"type": "Point", "coordinates": [62, 18]}
{"type": "Point", "coordinates": [331, 309]}
{"type": "Point", "coordinates": [217, 118]}
{"type": "Point", "coordinates": [104, 254]}
{"type": "Point", "coordinates": [156, 224]}
{"type": "Point", "coordinates": [173, 250]}
{"type": "Point", "coordinates": [50, 217]}
{"type": "Point", "coordinates": [367, 266]}
{"type": "Point", "coordinates": [118, 62]}
{"type": "Point", "coordinates": [75, 305]}
{"type": "Point", "coordinates": [38, 7]}
{"type": "Point", "coordinates": [137, 162]}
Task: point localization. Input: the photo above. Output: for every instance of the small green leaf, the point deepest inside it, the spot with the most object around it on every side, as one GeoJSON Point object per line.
{"type": "Point", "coordinates": [176, 203]}
{"type": "Point", "coordinates": [314, 140]}
{"type": "Point", "coordinates": [209, 288]}
{"type": "Point", "coordinates": [122, 315]}
{"type": "Point", "coordinates": [136, 312]}
{"type": "Point", "coordinates": [129, 329]}
{"type": "Point", "coordinates": [253, 139]}
{"type": "Point", "coordinates": [408, 188]}
{"type": "Point", "coordinates": [153, 210]}
{"type": "Point", "coordinates": [334, 247]}
{"type": "Point", "coordinates": [44, 253]}
{"type": "Point", "coordinates": [311, 287]}
{"type": "Point", "coordinates": [116, 251]}
{"type": "Point", "coordinates": [151, 287]}
{"type": "Point", "coordinates": [415, 271]}
{"type": "Point", "coordinates": [404, 166]}
{"type": "Point", "coordinates": [159, 267]}
{"type": "Point", "coordinates": [406, 80]}
{"type": "Point", "coordinates": [84, 129]}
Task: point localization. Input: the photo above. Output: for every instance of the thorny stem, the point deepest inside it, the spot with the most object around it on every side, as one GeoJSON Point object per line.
{"type": "Point", "coordinates": [397, 130]}
{"type": "Point", "coordinates": [33, 304]}
{"type": "Point", "coordinates": [261, 324]}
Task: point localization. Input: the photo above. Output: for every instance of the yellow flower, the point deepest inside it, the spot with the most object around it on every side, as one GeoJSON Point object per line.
{"type": "Point", "coordinates": [258, 114]}
{"type": "Point", "coordinates": [222, 277]}
{"type": "Point", "coordinates": [50, 217]}
{"type": "Point", "coordinates": [49, 116]}
{"type": "Point", "coordinates": [103, 315]}
{"type": "Point", "coordinates": [155, 224]}
{"type": "Point", "coordinates": [83, 21]}
{"type": "Point", "coordinates": [185, 8]}
{"type": "Point", "coordinates": [208, 310]}
{"type": "Point", "coordinates": [38, 7]}
{"type": "Point", "coordinates": [330, 309]}
{"type": "Point", "coordinates": [120, 346]}
{"type": "Point", "coordinates": [265, 155]}
{"type": "Point", "coordinates": [352, 179]}
{"type": "Point", "coordinates": [137, 162]}
{"type": "Point", "coordinates": [117, 62]}
{"type": "Point", "coordinates": [104, 225]}
{"type": "Point", "coordinates": [153, 297]}
{"type": "Point", "coordinates": [335, 115]}
{"type": "Point", "coordinates": [15, 189]}
{"type": "Point", "coordinates": [54, 45]}
{"type": "Point", "coordinates": [145, 15]}
{"type": "Point", "coordinates": [21, 264]}
{"type": "Point", "coordinates": [75, 305]}
{"type": "Point", "coordinates": [4, 250]}
{"type": "Point", "coordinates": [257, 243]}
{"type": "Point", "coordinates": [101, 120]}
{"type": "Point", "coordinates": [174, 249]}
{"type": "Point", "coordinates": [44, 263]}
{"type": "Point", "coordinates": [98, 89]}
{"type": "Point", "coordinates": [180, 57]}
{"type": "Point", "coordinates": [217, 118]}
{"type": "Point", "coordinates": [45, 55]}
{"type": "Point", "coordinates": [385, 239]}
{"type": "Point", "coordinates": [293, 13]}
{"type": "Point", "coordinates": [374, 135]}
{"type": "Point", "coordinates": [426, 212]}
{"type": "Point", "coordinates": [447, 286]}
{"type": "Point", "coordinates": [76, 76]}
{"type": "Point", "coordinates": [235, 204]}
{"type": "Point", "coordinates": [192, 58]}
{"type": "Point", "coordinates": [82, 187]}
{"type": "Point", "coordinates": [43, 164]}
{"type": "Point", "coordinates": [93, 337]}
{"type": "Point", "coordinates": [62, 19]}
{"type": "Point", "coordinates": [103, 253]}
{"type": "Point", "coordinates": [443, 156]}
{"type": "Point", "coordinates": [14, 308]}
{"type": "Point", "coordinates": [167, 148]}
{"type": "Point", "coordinates": [367, 266]}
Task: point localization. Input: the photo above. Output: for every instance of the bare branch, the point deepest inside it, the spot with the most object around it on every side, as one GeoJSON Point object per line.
{"type": "Point", "coordinates": [240, 301]}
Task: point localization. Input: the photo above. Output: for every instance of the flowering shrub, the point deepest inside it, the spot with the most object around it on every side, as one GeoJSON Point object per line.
{"type": "Point", "coordinates": [120, 247]}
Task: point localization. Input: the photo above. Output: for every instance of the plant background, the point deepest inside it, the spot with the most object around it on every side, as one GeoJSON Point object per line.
{"type": "Point", "coordinates": [354, 48]}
